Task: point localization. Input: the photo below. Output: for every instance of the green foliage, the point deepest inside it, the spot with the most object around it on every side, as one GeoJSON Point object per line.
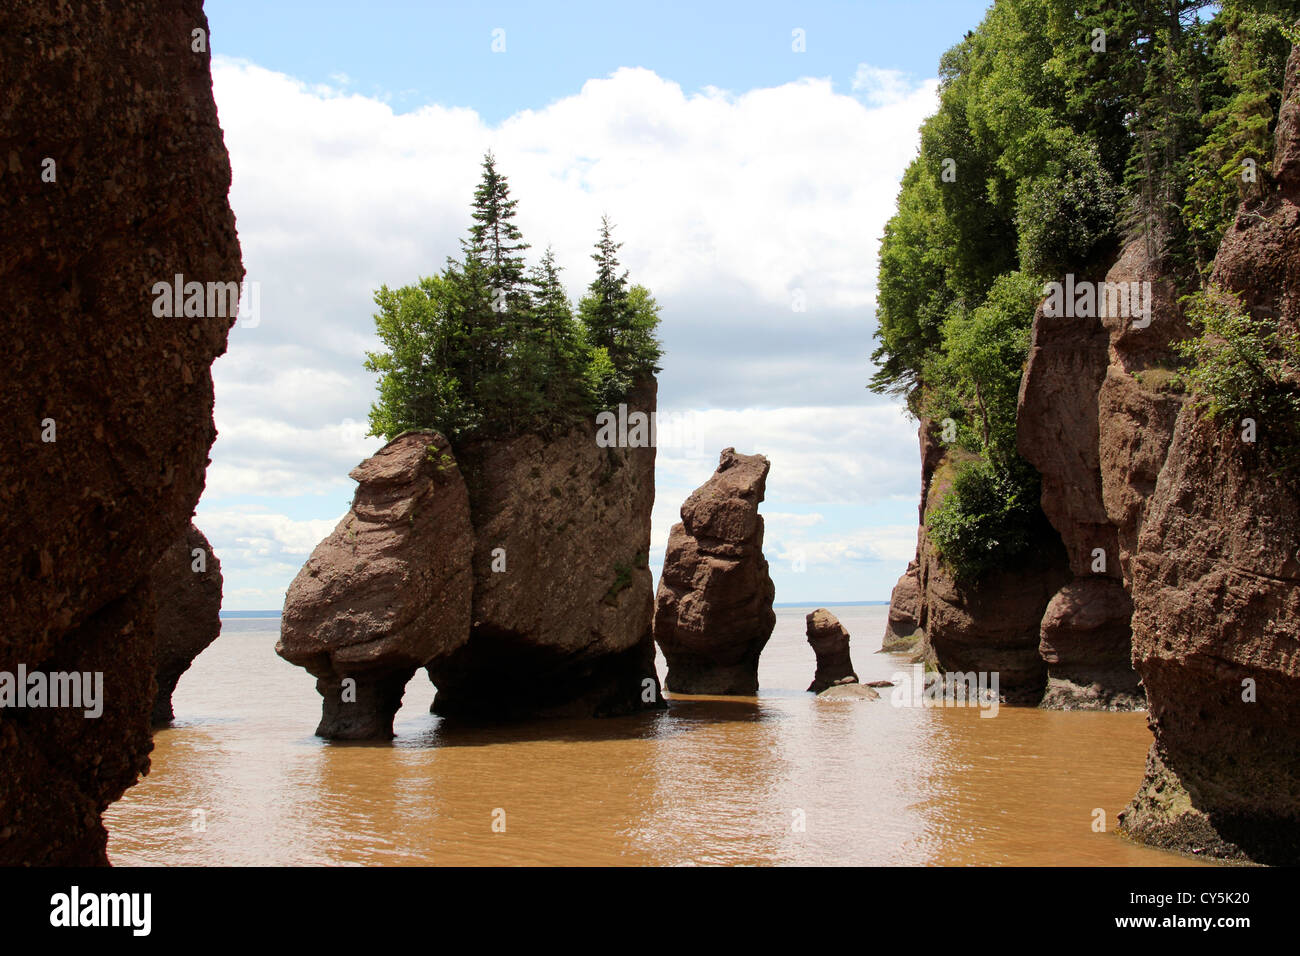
{"type": "Point", "coordinates": [1252, 42]}
{"type": "Point", "coordinates": [1067, 212]}
{"type": "Point", "coordinates": [623, 576]}
{"type": "Point", "coordinates": [603, 379]}
{"type": "Point", "coordinates": [988, 520]}
{"type": "Point", "coordinates": [913, 297]}
{"type": "Point", "coordinates": [1242, 366]}
{"type": "Point", "coordinates": [619, 319]}
{"type": "Point", "coordinates": [486, 348]}
{"type": "Point", "coordinates": [980, 363]}
{"type": "Point", "coordinates": [1046, 152]}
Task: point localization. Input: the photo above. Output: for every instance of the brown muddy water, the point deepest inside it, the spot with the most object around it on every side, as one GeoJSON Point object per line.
{"type": "Point", "coordinates": [783, 778]}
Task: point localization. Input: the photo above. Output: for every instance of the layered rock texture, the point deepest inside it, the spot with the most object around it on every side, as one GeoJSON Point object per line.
{"type": "Point", "coordinates": [713, 610]}
{"type": "Point", "coordinates": [849, 691]}
{"type": "Point", "coordinates": [1080, 370]}
{"type": "Point", "coordinates": [830, 642]}
{"type": "Point", "coordinates": [187, 587]}
{"type": "Point", "coordinates": [1179, 549]}
{"type": "Point", "coordinates": [515, 570]}
{"type": "Point", "coordinates": [1216, 585]}
{"type": "Point", "coordinates": [108, 406]}
{"type": "Point", "coordinates": [563, 595]}
{"type": "Point", "coordinates": [388, 590]}
{"type": "Point", "coordinates": [903, 625]}
{"type": "Point", "coordinates": [989, 625]}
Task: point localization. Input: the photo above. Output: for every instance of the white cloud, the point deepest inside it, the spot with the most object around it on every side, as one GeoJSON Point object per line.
{"type": "Point", "coordinates": [895, 543]}
{"type": "Point", "coordinates": [881, 87]}
{"type": "Point", "coordinates": [254, 534]}
{"type": "Point", "coordinates": [729, 206]}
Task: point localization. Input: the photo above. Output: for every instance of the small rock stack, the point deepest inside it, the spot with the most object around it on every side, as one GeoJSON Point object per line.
{"type": "Point", "coordinates": [830, 642]}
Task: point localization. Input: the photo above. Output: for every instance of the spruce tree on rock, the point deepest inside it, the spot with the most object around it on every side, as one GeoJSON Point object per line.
{"type": "Point", "coordinates": [557, 354]}
{"type": "Point", "coordinates": [619, 319]}
{"type": "Point", "coordinates": [605, 310]}
{"type": "Point", "coordinates": [494, 237]}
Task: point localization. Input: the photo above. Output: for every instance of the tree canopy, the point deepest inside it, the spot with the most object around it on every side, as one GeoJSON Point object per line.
{"type": "Point", "coordinates": [1063, 130]}
{"type": "Point", "coordinates": [489, 347]}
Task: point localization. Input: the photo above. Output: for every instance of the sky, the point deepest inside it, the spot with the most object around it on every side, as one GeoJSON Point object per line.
{"type": "Point", "coordinates": [749, 156]}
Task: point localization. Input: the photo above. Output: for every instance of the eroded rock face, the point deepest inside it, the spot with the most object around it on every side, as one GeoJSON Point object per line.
{"type": "Point", "coordinates": [1136, 407]}
{"type": "Point", "coordinates": [990, 625]}
{"type": "Point", "coordinates": [1085, 642]}
{"type": "Point", "coordinates": [187, 587]}
{"type": "Point", "coordinates": [1216, 588]}
{"type": "Point", "coordinates": [903, 625]}
{"type": "Point", "coordinates": [388, 590]}
{"type": "Point", "coordinates": [116, 97]}
{"type": "Point", "coordinates": [1084, 634]}
{"type": "Point", "coordinates": [830, 642]}
{"type": "Point", "coordinates": [1217, 614]}
{"type": "Point", "coordinates": [563, 594]}
{"type": "Point", "coordinates": [713, 610]}
{"type": "Point", "coordinates": [1057, 432]}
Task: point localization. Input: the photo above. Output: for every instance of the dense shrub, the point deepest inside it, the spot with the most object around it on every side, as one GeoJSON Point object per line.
{"type": "Point", "coordinates": [1243, 366]}
{"type": "Point", "coordinates": [988, 519]}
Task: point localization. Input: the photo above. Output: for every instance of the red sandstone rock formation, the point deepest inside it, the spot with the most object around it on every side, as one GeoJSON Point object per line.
{"type": "Point", "coordinates": [563, 595]}
{"type": "Point", "coordinates": [988, 625]}
{"type": "Point", "coordinates": [1136, 407]}
{"type": "Point", "coordinates": [903, 625]}
{"type": "Point", "coordinates": [830, 642]}
{"type": "Point", "coordinates": [387, 591]}
{"type": "Point", "coordinates": [115, 95]}
{"type": "Point", "coordinates": [904, 628]}
{"type": "Point", "coordinates": [1216, 586]}
{"type": "Point", "coordinates": [713, 610]}
{"type": "Point", "coordinates": [1084, 636]}
{"type": "Point", "coordinates": [187, 586]}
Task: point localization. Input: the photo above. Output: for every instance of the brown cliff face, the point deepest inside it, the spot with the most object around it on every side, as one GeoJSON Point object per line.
{"type": "Point", "coordinates": [992, 625]}
{"type": "Point", "coordinates": [1084, 634]}
{"type": "Point", "coordinates": [562, 587]}
{"type": "Point", "coordinates": [187, 587]}
{"type": "Point", "coordinates": [1136, 407]}
{"type": "Point", "coordinates": [989, 625]}
{"type": "Point", "coordinates": [903, 624]}
{"type": "Point", "coordinates": [713, 610]}
{"type": "Point", "coordinates": [118, 99]}
{"type": "Point", "coordinates": [904, 627]}
{"type": "Point", "coordinates": [388, 590]}
{"type": "Point", "coordinates": [1057, 433]}
{"type": "Point", "coordinates": [1216, 587]}
{"type": "Point", "coordinates": [830, 642]}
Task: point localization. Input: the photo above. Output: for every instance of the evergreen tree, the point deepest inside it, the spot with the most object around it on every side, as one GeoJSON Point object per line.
{"type": "Point", "coordinates": [604, 309]}
{"type": "Point", "coordinates": [619, 319]}
{"type": "Point", "coordinates": [1251, 39]}
{"type": "Point", "coordinates": [557, 352]}
{"type": "Point", "coordinates": [494, 237]}
{"type": "Point", "coordinates": [487, 349]}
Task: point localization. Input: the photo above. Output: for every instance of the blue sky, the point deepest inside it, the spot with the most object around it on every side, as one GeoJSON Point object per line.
{"type": "Point", "coordinates": [420, 53]}
{"type": "Point", "coordinates": [743, 178]}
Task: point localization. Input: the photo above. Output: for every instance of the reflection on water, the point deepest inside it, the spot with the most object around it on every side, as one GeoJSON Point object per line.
{"type": "Point", "coordinates": [783, 778]}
